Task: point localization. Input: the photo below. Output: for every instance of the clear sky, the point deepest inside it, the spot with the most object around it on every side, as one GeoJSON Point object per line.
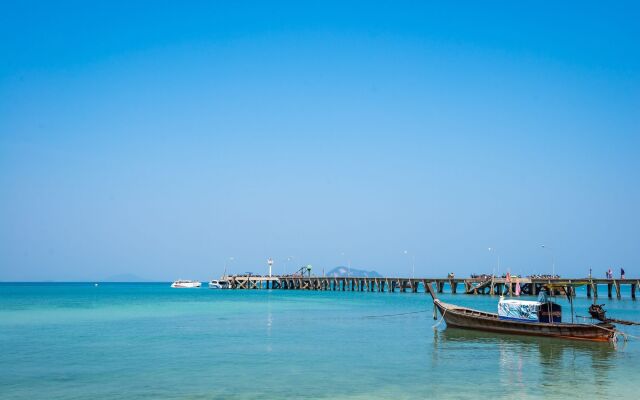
{"type": "Point", "coordinates": [159, 140]}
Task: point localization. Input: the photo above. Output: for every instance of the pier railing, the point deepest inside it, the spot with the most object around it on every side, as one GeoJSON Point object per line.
{"type": "Point", "coordinates": [476, 286]}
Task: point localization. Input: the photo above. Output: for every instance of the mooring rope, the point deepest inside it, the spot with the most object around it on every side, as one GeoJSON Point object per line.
{"type": "Point", "coordinates": [616, 332]}
{"type": "Point", "coordinates": [441, 319]}
{"type": "Point", "coordinates": [396, 315]}
{"type": "Point", "coordinates": [613, 320]}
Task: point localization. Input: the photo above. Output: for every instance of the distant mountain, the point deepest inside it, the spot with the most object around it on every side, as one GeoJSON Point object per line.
{"type": "Point", "coordinates": [345, 271]}
{"type": "Point", "coordinates": [124, 278]}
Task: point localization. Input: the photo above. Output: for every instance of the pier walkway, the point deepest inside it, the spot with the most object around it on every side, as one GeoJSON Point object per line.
{"type": "Point", "coordinates": [495, 285]}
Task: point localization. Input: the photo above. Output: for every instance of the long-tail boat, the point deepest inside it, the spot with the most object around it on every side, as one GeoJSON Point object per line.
{"type": "Point", "coordinates": [542, 318]}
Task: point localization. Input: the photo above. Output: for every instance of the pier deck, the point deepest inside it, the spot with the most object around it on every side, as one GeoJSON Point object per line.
{"type": "Point", "coordinates": [474, 286]}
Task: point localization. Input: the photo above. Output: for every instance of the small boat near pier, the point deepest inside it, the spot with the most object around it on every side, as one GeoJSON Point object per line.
{"type": "Point", "coordinates": [542, 318]}
{"type": "Point", "coordinates": [219, 284]}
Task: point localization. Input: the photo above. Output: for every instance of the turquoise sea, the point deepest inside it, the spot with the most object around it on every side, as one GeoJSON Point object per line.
{"type": "Point", "coordinates": [148, 341]}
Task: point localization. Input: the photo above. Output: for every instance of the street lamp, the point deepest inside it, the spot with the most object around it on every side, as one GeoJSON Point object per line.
{"type": "Point", "coordinates": [553, 259]}
{"type": "Point", "coordinates": [492, 249]}
{"type": "Point", "coordinates": [227, 263]}
{"type": "Point", "coordinates": [413, 264]}
{"type": "Point", "coordinates": [287, 262]}
{"type": "Point", "coordinates": [270, 262]}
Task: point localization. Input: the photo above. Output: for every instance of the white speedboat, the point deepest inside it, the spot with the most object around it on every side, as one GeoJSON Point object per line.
{"type": "Point", "coordinates": [218, 284]}
{"type": "Point", "coordinates": [186, 284]}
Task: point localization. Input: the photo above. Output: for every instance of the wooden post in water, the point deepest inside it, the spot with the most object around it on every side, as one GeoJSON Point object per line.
{"type": "Point", "coordinates": [609, 287]}
{"type": "Point", "coordinates": [617, 286]}
{"type": "Point", "coordinates": [429, 289]}
{"type": "Point", "coordinates": [633, 290]}
{"type": "Point", "coordinates": [589, 290]}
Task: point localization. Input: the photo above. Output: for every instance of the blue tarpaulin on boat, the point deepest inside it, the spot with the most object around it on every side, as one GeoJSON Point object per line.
{"type": "Point", "coordinates": [519, 310]}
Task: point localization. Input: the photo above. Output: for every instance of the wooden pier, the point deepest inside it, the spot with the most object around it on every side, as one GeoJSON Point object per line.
{"type": "Point", "coordinates": [474, 286]}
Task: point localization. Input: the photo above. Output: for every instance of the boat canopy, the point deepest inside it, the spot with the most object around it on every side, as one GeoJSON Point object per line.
{"type": "Point", "coordinates": [562, 285]}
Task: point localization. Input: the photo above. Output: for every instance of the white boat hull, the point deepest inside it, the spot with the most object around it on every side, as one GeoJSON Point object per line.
{"type": "Point", "coordinates": [218, 285]}
{"type": "Point", "coordinates": [186, 284]}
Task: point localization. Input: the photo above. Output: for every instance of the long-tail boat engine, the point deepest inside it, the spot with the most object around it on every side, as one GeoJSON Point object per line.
{"type": "Point", "coordinates": [597, 312]}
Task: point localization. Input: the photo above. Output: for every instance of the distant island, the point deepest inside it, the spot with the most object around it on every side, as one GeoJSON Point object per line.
{"type": "Point", "coordinates": [342, 271]}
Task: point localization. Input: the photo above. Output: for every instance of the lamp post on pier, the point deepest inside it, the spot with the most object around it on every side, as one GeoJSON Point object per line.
{"type": "Point", "coordinates": [287, 262]}
{"type": "Point", "coordinates": [493, 249]}
{"type": "Point", "coordinates": [227, 263]}
{"type": "Point", "coordinates": [413, 264]}
{"type": "Point", "coordinates": [553, 259]}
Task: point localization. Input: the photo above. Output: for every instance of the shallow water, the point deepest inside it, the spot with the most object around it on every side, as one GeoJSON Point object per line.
{"type": "Point", "coordinates": [148, 341]}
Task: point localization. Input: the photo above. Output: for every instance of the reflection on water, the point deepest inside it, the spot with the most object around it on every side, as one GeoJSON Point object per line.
{"type": "Point", "coordinates": [553, 365]}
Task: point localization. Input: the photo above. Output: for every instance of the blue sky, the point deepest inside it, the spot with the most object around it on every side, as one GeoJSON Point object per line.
{"type": "Point", "coordinates": [160, 140]}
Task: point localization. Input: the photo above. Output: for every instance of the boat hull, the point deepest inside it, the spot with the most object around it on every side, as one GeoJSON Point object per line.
{"type": "Point", "coordinates": [466, 318]}
{"type": "Point", "coordinates": [186, 285]}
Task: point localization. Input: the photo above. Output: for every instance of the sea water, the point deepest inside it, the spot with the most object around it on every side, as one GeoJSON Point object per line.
{"type": "Point", "coordinates": [148, 341]}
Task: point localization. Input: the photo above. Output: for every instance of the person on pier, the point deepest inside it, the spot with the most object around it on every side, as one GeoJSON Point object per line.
{"type": "Point", "coordinates": [507, 283]}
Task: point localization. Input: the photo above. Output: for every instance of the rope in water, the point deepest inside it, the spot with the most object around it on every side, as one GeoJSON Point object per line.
{"type": "Point", "coordinates": [441, 319]}
{"type": "Point", "coordinates": [613, 320]}
{"type": "Point", "coordinates": [396, 315]}
{"type": "Point", "coordinates": [616, 332]}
